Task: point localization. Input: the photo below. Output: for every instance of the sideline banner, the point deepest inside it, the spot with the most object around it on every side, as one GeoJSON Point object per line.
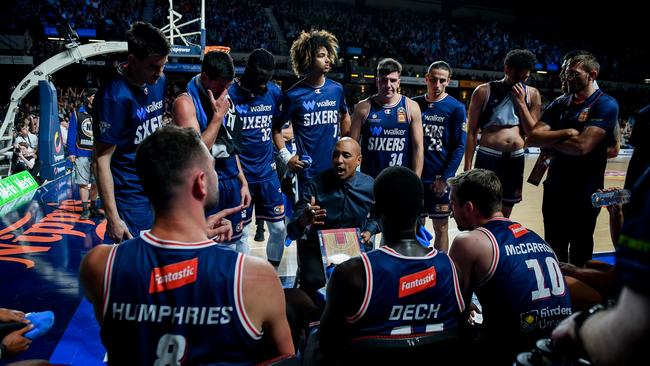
{"type": "Point", "coordinates": [15, 186]}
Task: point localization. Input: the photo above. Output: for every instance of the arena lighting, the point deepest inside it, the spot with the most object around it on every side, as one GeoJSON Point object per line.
{"type": "Point", "coordinates": [96, 40]}
{"type": "Point", "coordinates": [541, 72]}
{"type": "Point", "coordinates": [55, 39]}
{"type": "Point", "coordinates": [647, 81]}
{"type": "Point", "coordinates": [354, 75]}
{"type": "Point", "coordinates": [369, 76]}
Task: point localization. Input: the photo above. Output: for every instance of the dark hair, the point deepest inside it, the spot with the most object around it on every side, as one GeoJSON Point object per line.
{"type": "Point", "coordinates": [571, 54]}
{"type": "Point", "coordinates": [262, 58]}
{"type": "Point", "coordinates": [520, 60]}
{"type": "Point", "coordinates": [87, 94]}
{"type": "Point", "coordinates": [218, 65]}
{"type": "Point", "coordinates": [305, 47]}
{"type": "Point", "coordinates": [162, 160]}
{"type": "Point", "coordinates": [387, 66]}
{"type": "Point", "coordinates": [439, 65]}
{"type": "Point", "coordinates": [479, 186]}
{"type": "Point", "coordinates": [145, 40]}
{"type": "Point", "coordinates": [399, 196]}
{"type": "Point", "coordinates": [588, 62]}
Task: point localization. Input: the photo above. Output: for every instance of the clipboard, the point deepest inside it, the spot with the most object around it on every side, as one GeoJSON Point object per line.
{"type": "Point", "coordinates": [337, 246]}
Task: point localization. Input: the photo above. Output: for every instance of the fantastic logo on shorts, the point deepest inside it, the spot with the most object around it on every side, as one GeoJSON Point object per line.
{"type": "Point", "coordinates": [417, 282]}
{"type": "Point", "coordinates": [173, 276]}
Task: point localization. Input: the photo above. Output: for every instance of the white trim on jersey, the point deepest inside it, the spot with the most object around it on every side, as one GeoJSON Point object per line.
{"type": "Point", "coordinates": [495, 256]}
{"type": "Point", "coordinates": [366, 297]}
{"type": "Point", "coordinates": [390, 251]}
{"type": "Point", "coordinates": [239, 300]}
{"type": "Point", "coordinates": [108, 275]}
{"type": "Point", "coordinates": [457, 291]}
{"type": "Point", "coordinates": [170, 244]}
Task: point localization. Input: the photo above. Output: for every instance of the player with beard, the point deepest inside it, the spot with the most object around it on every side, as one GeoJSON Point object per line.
{"type": "Point", "coordinates": [193, 300]}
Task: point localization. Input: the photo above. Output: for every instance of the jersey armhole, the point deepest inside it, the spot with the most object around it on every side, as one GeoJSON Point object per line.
{"type": "Point", "coordinates": [244, 320]}
{"type": "Point", "coordinates": [108, 276]}
{"type": "Point", "coordinates": [367, 293]}
{"type": "Point", "coordinates": [487, 97]}
{"type": "Point", "coordinates": [495, 256]}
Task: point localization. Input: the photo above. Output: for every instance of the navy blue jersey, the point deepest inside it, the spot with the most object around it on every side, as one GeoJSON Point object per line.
{"type": "Point", "coordinates": [124, 114]}
{"type": "Point", "coordinates": [385, 137]}
{"type": "Point", "coordinates": [587, 171]}
{"type": "Point", "coordinates": [408, 295]}
{"type": "Point", "coordinates": [524, 295]}
{"type": "Point", "coordinates": [257, 114]}
{"type": "Point", "coordinates": [314, 113]}
{"type": "Point", "coordinates": [443, 122]}
{"type": "Point", "coordinates": [168, 302]}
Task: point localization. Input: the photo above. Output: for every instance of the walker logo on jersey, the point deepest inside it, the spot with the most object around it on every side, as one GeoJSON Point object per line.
{"type": "Point", "coordinates": [518, 230]}
{"type": "Point", "coordinates": [528, 320]}
{"type": "Point", "coordinates": [401, 115]}
{"type": "Point", "coordinates": [375, 130]}
{"type": "Point", "coordinates": [417, 282]}
{"type": "Point", "coordinates": [154, 106]}
{"type": "Point", "coordinates": [326, 103]}
{"type": "Point", "coordinates": [583, 115]}
{"type": "Point", "coordinates": [261, 108]}
{"type": "Point", "coordinates": [242, 108]}
{"type": "Point", "coordinates": [309, 105]}
{"type": "Point", "coordinates": [434, 118]}
{"type": "Point", "coordinates": [173, 276]}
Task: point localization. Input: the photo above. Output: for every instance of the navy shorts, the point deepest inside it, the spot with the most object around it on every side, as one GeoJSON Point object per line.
{"type": "Point", "coordinates": [267, 200]}
{"type": "Point", "coordinates": [230, 196]}
{"type": "Point", "coordinates": [435, 207]}
{"type": "Point", "coordinates": [508, 166]}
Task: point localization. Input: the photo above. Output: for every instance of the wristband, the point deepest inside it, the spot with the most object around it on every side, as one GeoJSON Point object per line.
{"type": "Point", "coordinates": [285, 155]}
{"type": "Point", "coordinates": [579, 321]}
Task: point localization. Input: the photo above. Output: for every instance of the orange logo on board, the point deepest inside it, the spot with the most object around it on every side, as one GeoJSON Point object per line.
{"type": "Point", "coordinates": [173, 276]}
{"type": "Point", "coordinates": [417, 282]}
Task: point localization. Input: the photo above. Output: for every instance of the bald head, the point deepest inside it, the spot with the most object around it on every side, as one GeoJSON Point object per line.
{"type": "Point", "coordinates": [346, 157]}
{"type": "Point", "coordinates": [350, 143]}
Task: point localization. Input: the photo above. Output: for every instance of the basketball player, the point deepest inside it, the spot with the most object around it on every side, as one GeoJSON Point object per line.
{"type": "Point", "coordinates": [400, 287]}
{"type": "Point", "coordinates": [173, 294]}
{"type": "Point", "coordinates": [207, 108]}
{"type": "Point", "coordinates": [127, 109]}
{"type": "Point", "coordinates": [443, 119]}
{"type": "Point", "coordinates": [315, 105]}
{"type": "Point", "coordinates": [513, 272]}
{"type": "Point", "coordinates": [388, 125]}
{"type": "Point", "coordinates": [493, 110]}
{"type": "Point", "coordinates": [258, 101]}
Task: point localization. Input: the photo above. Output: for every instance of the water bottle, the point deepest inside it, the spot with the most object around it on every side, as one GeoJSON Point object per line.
{"type": "Point", "coordinates": [608, 198]}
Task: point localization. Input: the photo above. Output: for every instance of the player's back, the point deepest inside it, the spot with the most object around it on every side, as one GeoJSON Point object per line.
{"type": "Point", "coordinates": [170, 301]}
{"type": "Point", "coordinates": [408, 295]}
{"type": "Point", "coordinates": [524, 296]}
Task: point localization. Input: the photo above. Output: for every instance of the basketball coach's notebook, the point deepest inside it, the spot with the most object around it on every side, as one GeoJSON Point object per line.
{"type": "Point", "coordinates": [338, 245]}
